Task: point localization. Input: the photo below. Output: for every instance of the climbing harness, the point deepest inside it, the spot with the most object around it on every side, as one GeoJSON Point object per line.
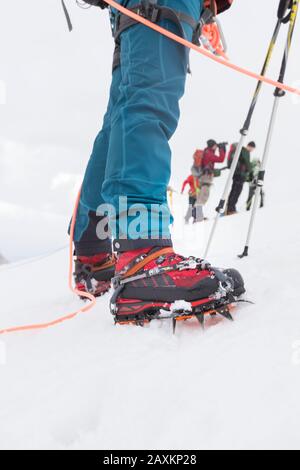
{"type": "Point", "coordinates": [206, 31]}
{"type": "Point", "coordinates": [203, 51]}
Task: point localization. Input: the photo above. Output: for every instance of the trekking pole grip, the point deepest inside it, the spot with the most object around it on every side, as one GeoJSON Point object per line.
{"type": "Point", "coordinates": [284, 6]}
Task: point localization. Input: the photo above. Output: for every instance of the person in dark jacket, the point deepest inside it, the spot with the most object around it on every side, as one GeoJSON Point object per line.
{"type": "Point", "coordinates": [241, 175]}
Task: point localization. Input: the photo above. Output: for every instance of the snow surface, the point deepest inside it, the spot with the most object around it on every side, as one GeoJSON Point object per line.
{"type": "Point", "coordinates": [89, 384]}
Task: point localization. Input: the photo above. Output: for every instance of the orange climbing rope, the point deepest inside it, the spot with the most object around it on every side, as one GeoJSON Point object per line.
{"type": "Point", "coordinates": [213, 36]}
{"type": "Point", "coordinates": [70, 316]}
{"type": "Point", "coordinates": [201, 50]}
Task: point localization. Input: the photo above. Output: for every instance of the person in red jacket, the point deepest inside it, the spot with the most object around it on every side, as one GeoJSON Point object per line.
{"type": "Point", "coordinates": [194, 190]}
{"type": "Point", "coordinates": [209, 159]}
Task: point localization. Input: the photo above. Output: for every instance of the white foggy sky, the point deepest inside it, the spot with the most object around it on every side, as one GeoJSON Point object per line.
{"type": "Point", "coordinates": [57, 86]}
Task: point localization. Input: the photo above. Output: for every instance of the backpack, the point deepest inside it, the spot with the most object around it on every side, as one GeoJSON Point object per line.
{"type": "Point", "coordinates": [213, 7]}
{"type": "Point", "coordinates": [198, 156]}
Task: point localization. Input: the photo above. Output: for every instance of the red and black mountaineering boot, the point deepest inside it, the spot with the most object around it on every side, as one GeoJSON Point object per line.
{"type": "Point", "coordinates": [93, 274]}
{"type": "Point", "coordinates": [158, 284]}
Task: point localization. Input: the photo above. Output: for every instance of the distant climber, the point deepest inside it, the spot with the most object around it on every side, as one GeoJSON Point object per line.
{"type": "Point", "coordinates": [209, 159]}
{"type": "Point", "coordinates": [194, 190]}
{"type": "Point", "coordinates": [241, 175]}
{"type": "Point", "coordinates": [255, 165]}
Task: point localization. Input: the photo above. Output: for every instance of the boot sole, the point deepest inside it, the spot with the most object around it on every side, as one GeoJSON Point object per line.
{"type": "Point", "coordinates": [136, 312]}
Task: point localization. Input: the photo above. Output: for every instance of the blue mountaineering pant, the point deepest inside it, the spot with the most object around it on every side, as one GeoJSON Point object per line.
{"type": "Point", "coordinates": [131, 156]}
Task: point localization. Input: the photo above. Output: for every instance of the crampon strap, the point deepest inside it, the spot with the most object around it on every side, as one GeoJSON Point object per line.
{"type": "Point", "coordinates": [206, 31]}
{"type": "Point", "coordinates": [87, 272]}
{"type": "Point", "coordinates": [133, 271]}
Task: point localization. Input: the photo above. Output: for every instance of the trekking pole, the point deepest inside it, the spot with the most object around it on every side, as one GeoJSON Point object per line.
{"type": "Point", "coordinates": [278, 94]}
{"type": "Point", "coordinates": [282, 17]}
